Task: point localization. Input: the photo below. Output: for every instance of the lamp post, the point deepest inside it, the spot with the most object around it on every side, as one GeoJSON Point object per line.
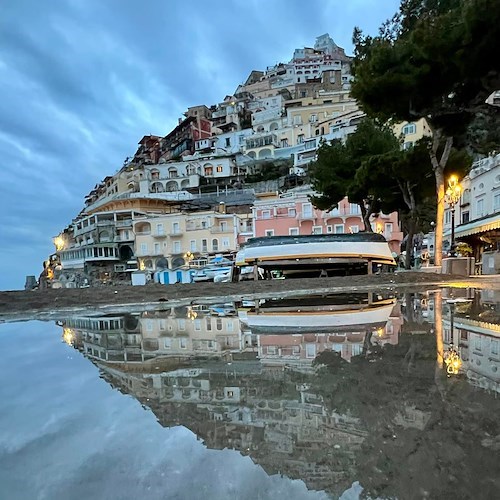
{"type": "Point", "coordinates": [452, 197]}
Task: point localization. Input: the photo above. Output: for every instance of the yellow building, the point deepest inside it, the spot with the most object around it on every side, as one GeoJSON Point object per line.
{"type": "Point", "coordinates": [172, 240]}
{"type": "Point", "coordinates": [411, 132]}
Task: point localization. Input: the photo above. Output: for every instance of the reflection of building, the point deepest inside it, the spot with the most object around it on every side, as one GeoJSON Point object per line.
{"type": "Point", "coordinates": [292, 332]}
{"type": "Point", "coordinates": [172, 333]}
{"type": "Point", "coordinates": [196, 366]}
{"type": "Point", "coordinates": [471, 324]}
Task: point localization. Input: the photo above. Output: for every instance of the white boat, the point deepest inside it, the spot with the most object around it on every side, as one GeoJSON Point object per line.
{"type": "Point", "coordinates": [329, 251]}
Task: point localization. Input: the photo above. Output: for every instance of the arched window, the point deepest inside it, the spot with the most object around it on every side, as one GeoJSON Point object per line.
{"type": "Point", "coordinates": [215, 245]}
{"type": "Point", "coordinates": [157, 187]}
{"type": "Point", "coordinates": [172, 186]}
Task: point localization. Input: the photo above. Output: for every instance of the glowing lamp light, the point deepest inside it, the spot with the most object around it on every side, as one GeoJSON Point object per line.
{"type": "Point", "coordinates": [452, 361]}
{"type": "Point", "coordinates": [68, 336]}
{"type": "Point", "coordinates": [59, 243]}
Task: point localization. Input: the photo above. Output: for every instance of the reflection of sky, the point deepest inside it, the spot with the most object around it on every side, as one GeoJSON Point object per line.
{"type": "Point", "coordinates": [65, 433]}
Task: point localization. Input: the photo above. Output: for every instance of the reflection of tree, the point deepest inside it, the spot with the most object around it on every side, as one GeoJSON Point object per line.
{"type": "Point", "coordinates": [424, 438]}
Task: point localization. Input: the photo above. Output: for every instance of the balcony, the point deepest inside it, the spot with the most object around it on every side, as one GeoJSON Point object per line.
{"type": "Point", "coordinates": [160, 234]}
{"type": "Point", "coordinates": [220, 230]}
{"type": "Point", "coordinates": [176, 233]}
{"type": "Point", "coordinates": [306, 216]}
{"type": "Point", "coordinates": [124, 223]}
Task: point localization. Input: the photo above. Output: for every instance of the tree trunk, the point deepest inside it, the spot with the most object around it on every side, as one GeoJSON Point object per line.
{"type": "Point", "coordinates": [438, 167]}
{"type": "Point", "coordinates": [409, 242]}
{"type": "Point", "coordinates": [365, 214]}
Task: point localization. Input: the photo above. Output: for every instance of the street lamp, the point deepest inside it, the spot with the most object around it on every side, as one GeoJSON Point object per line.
{"type": "Point", "coordinates": [452, 197]}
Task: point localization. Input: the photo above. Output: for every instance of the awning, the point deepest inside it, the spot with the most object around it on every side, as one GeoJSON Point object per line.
{"type": "Point", "coordinates": [478, 226]}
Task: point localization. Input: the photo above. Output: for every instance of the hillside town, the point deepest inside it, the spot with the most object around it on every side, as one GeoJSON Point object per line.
{"type": "Point", "coordinates": [187, 202]}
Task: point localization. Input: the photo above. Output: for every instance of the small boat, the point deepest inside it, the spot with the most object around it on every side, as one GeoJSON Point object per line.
{"type": "Point", "coordinates": [321, 255]}
{"type": "Point", "coordinates": [218, 267]}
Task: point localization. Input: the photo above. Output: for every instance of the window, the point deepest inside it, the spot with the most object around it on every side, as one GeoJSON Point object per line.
{"type": "Point", "coordinates": [310, 350]}
{"type": "Point", "coordinates": [208, 323]}
{"type": "Point", "coordinates": [215, 245]}
{"type": "Point", "coordinates": [329, 229]}
{"type": "Point", "coordinates": [447, 217]}
{"type": "Point", "coordinates": [176, 228]}
{"type": "Point", "coordinates": [223, 227]}
{"type": "Point", "coordinates": [292, 212]}
{"type": "Point", "coordinates": [167, 343]}
{"type": "Point", "coordinates": [465, 217]}
{"type": "Point", "coordinates": [157, 249]}
{"type": "Point", "coordinates": [219, 169]}
{"type": "Point", "coordinates": [228, 142]}
{"type": "Point", "coordinates": [204, 245]}
{"type": "Point", "coordinates": [409, 128]}
{"type": "Point", "coordinates": [204, 224]}
{"type": "Point", "coordinates": [181, 323]}
{"type": "Point", "coordinates": [354, 229]}
{"type": "Point", "coordinates": [407, 145]}
{"type": "Point", "coordinates": [271, 349]}
{"type": "Point", "coordinates": [269, 232]}
{"type": "Point", "coordinates": [354, 209]}
{"type": "Point", "coordinates": [225, 242]}
{"type": "Point", "coordinates": [163, 324]}
{"type": "Point", "coordinates": [208, 171]}
{"type": "Point", "coordinates": [317, 230]}
{"type": "Point", "coordinates": [197, 325]}
{"type": "Point", "coordinates": [183, 343]}
{"type": "Point", "coordinates": [192, 245]}
{"type": "Point", "coordinates": [494, 347]}
{"type": "Point", "coordinates": [300, 138]}
{"type": "Point", "coordinates": [266, 214]}
{"type": "Point", "coordinates": [293, 231]}
{"type": "Point", "coordinates": [496, 202]}
{"type": "Point", "coordinates": [297, 120]}
{"type": "Point", "coordinates": [339, 228]}
{"type": "Point", "coordinates": [388, 229]}
{"type": "Point", "coordinates": [313, 118]}
{"type": "Point", "coordinates": [480, 208]}
{"type": "Point", "coordinates": [159, 230]}
{"type": "Point", "coordinates": [218, 324]}
{"type": "Point", "coordinates": [284, 143]}
{"type": "Point", "coordinates": [177, 247]}
{"type": "Point", "coordinates": [149, 325]}
{"type": "Point", "coordinates": [307, 210]}
{"type": "Point", "coordinates": [144, 248]}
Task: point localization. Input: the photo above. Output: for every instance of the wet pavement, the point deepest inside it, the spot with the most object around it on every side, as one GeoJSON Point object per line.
{"type": "Point", "coordinates": [369, 394]}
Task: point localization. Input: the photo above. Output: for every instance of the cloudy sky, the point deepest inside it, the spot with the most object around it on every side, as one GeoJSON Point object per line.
{"type": "Point", "coordinates": [81, 81]}
{"type": "Point", "coordinates": [67, 434]}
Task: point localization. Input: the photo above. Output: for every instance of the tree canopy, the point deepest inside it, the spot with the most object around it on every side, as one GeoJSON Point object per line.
{"type": "Point", "coordinates": [333, 175]}
{"type": "Point", "coordinates": [435, 59]}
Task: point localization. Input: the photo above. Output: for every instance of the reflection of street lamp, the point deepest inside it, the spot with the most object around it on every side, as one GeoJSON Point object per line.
{"type": "Point", "coordinates": [452, 197]}
{"type": "Point", "coordinates": [452, 355]}
{"type": "Point", "coordinates": [192, 315]}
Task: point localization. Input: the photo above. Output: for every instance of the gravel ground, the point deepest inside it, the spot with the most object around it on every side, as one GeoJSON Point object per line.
{"type": "Point", "coordinates": [20, 305]}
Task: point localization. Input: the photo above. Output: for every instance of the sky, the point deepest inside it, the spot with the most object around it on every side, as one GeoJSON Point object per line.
{"type": "Point", "coordinates": [82, 81]}
{"type": "Point", "coordinates": [65, 433]}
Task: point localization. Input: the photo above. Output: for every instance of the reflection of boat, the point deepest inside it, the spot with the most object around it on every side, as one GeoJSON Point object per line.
{"type": "Point", "coordinates": [318, 314]}
{"type": "Point", "coordinates": [331, 252]}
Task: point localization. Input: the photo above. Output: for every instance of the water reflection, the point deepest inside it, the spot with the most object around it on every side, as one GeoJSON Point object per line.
{"type": "Point", "coordinates": [328, 389]}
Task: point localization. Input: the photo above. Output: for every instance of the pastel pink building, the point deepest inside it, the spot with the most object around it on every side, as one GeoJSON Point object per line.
{"type": "Point", "coordinates": [292, 214]}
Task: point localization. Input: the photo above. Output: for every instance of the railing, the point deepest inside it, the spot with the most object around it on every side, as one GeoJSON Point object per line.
{"type": "Point", "coordinates": [217, 230]}
{"type": "Point", "coordinates": [124, 223]}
